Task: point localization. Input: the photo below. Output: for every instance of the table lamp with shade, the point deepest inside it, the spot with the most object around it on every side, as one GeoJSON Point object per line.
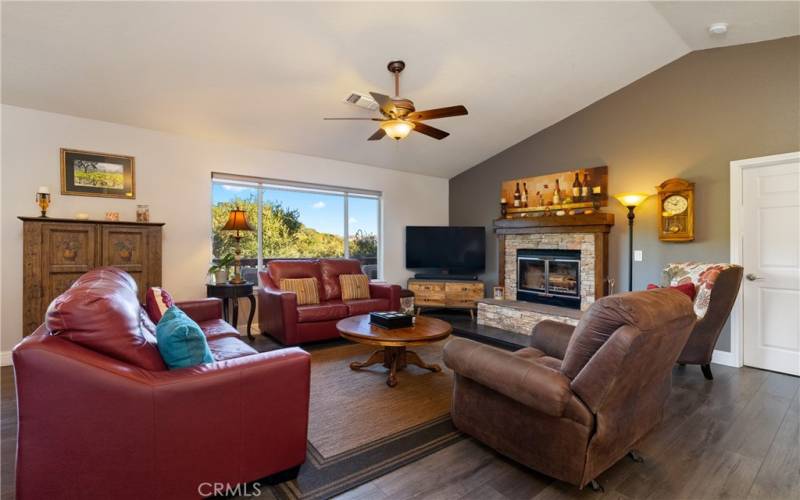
{"type": "Point", "coordinates": [631, 201]}
{"type": "Point", "coordinates": [237, 221]}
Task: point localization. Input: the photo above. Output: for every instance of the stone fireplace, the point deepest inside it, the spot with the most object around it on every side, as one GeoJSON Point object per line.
{"type": "Point", "coordinates": [551, 267]}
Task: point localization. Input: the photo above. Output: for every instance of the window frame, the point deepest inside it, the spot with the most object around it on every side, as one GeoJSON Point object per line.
{"type": "Point", "coordinates": [263, 184]}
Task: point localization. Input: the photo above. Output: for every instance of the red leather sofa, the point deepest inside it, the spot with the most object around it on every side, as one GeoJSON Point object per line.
{"type": "Point", "coordinates": [101, 417]}
{"type": "Point", "coordinates": [280, 317]}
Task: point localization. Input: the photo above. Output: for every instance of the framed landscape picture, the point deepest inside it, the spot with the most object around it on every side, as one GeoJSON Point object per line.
{"type": "Point", "coordinates": [84, 173]}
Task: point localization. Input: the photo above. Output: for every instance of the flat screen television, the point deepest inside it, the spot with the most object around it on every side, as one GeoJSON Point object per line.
{"type": "Point", "coordinates": [446, 249]}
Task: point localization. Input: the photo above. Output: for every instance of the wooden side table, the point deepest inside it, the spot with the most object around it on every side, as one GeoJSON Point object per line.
{"type": "Point", "coordinates": [229, 291]}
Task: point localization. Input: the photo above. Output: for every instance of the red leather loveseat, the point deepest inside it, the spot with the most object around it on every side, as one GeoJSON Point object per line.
{"type": "Point", "coordinates": [280, 317]}
{"type": "Point", "coordinates": [101, 417]}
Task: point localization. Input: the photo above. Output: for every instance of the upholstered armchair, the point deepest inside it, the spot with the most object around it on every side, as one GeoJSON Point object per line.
{"type": "Point", "coordinates": [580, 398]}
{"type": "Point", "coordinates": [716, 288]}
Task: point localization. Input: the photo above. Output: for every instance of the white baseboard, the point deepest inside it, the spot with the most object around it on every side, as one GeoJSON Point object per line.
{"type": "Point", "coordinates": [725, 358]}
{"type": "Point", "coordinates": [5, 358]}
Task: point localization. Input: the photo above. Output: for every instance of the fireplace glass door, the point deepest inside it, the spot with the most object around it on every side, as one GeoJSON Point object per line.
{"type": "Point", "coordinates": [562, 277]}
{"type": "Point", "coordinates": [549, 277]}
{"type": "Point", "coordinates": [532, 273]}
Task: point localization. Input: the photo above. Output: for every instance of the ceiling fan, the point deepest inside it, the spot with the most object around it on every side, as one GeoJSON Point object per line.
{"type": "Point", "coordinates": [399, 115]}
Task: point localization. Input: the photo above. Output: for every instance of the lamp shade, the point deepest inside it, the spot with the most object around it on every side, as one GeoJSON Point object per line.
{"type": "Point", "coordinates": [397, 129]}
{"type": "Point", "coordinates": [631, 199]}
{"type": "Point", "coordinates": [237, 221]}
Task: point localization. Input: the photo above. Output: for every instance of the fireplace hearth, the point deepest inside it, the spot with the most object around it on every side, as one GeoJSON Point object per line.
{"type": "Point", "coordinates": [549, 277]}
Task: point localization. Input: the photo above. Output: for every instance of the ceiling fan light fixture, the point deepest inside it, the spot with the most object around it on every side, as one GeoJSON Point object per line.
{"type": "Point", "coordinates": [397, 129]}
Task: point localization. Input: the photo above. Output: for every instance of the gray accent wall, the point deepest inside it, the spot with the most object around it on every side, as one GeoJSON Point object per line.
{"type": "Point", "coordinates": [688, 119]}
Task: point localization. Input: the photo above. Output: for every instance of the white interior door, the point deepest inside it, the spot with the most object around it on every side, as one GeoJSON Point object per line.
{"type": "Point", "coordinates": [771, 257]}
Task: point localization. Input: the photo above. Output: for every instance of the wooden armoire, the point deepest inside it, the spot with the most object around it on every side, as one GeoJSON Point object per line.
{"type": "Point", "coordinates": [57, 251]}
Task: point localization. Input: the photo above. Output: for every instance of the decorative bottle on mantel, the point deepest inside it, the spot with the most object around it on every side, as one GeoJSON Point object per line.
{"type": "Point", "coordinates": [576, 188]}
{"type": "Point", "coordinates": [557, 194]}
{"type": "Point", "coordinates": [524, 194]}
{"type": "Point", "coordinates": [585, 187]}
{"type": "Point", "coordinates": [517, 197]}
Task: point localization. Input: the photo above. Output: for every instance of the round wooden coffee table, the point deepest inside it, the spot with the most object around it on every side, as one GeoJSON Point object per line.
{"type": "Point", "coordinates": [393, 354]}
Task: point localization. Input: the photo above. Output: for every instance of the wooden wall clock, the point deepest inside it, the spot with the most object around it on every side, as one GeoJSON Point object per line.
{"type": "Point", "coordinates": [676, 199]}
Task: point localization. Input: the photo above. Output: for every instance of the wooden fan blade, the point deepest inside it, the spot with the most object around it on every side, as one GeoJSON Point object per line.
{"type": "Point", "coordinates": [373, 119]}
{"type": "Point", "coordinates": [386, 104]}
{"type": "Point", "coordinates": [430, 131]}
{"type": "Point", "coordinates": [430, 114]}
{"type": "Point", "coordinates": [378, 135]}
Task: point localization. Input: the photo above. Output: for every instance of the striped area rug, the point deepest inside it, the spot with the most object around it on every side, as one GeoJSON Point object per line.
{"type": "Point", "coordinates": [360, 429]}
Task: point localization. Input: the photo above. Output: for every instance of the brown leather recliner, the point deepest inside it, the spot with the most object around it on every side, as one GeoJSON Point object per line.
{"type": "Point", "coordinates": [716, 287]}
{"type": "Point", "coordinates": [573, 404]}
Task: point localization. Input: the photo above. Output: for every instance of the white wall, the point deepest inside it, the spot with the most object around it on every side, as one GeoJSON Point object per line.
{"type": "Point", "coordinates": [173, 176]}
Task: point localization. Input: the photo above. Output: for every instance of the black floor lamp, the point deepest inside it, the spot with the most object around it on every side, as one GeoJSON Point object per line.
{"type": "Point", "coordinates": [631, 201]}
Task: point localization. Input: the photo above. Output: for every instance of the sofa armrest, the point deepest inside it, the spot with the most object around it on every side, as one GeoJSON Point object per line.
{"type": "Point", "coordinates": [530, 383]}
{"type": "Point", "coordinates": [202, 309]}
{"type": "Point", "coordinates": [386, 291]}
{"type": "Point", "coordinates": [231, 394]}
{"type": "Point", "coordinates": [552, 337]}
{"type": "Point", "coordinates": [277, 314]}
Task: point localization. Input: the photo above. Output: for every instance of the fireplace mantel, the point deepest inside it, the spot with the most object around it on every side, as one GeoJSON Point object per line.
{"type": "Point", "coordinates": [598, 222]}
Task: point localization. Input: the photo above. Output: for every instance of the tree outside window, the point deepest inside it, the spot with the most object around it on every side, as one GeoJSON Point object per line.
{"type": "Point", "coordinates": [295, 223]}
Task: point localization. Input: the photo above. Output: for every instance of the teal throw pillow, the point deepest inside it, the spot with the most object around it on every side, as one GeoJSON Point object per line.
{"type": "Point", "coordinates": [181, 342]}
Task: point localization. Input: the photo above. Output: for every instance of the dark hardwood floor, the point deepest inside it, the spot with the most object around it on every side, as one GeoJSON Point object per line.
{"type": "Point", "coordinates": [735, 437]}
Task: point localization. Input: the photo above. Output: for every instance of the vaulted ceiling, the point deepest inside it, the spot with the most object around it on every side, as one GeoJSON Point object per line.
{"type": "Point", "coordinates": [264, 74]}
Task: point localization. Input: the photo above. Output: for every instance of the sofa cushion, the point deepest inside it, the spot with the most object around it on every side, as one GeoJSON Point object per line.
{"type": "Point", "coordinates": [322, 312]}
{"type": "Point", "coordinates": [687, 288]}
{"type": "Point", "coordinates": [101, 312]}
{"type": "Point", "coordinates": [354, 286]}
{"type": "Point", "coordinates": [215, 328]}
{"type": "Point", "coordinates": [306, 289]}
{"type": "Point", "coordinates": [364, 306]}
{"type": "Point", "coordinates": [156, 302]}
{"type": "Point", "coordinates": [223, 348]}
{"type": "Point", "coordinates": [331, 269]}
{"type": "Point", "coordinates": [278, 270]}
{"type": "Point", "coordinates": [646, 311]}
{"type": "Point", "coordinates": [181, 342]}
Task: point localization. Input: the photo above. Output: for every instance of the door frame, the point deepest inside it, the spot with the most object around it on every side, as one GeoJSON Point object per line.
{"type": "Point", "coordinates": [737, 168]}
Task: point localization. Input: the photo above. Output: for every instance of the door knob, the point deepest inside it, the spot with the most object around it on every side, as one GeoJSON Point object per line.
{"type": "Point", "coordinates": [752, 277]}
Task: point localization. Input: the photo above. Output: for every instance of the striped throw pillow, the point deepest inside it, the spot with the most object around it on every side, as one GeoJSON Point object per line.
{"type": "Point", "coordinates": [354, 286]}
{"type": "Point", "coordinates": [306, 289]}
{"type": "Point", "coordinates": [156, 302]}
